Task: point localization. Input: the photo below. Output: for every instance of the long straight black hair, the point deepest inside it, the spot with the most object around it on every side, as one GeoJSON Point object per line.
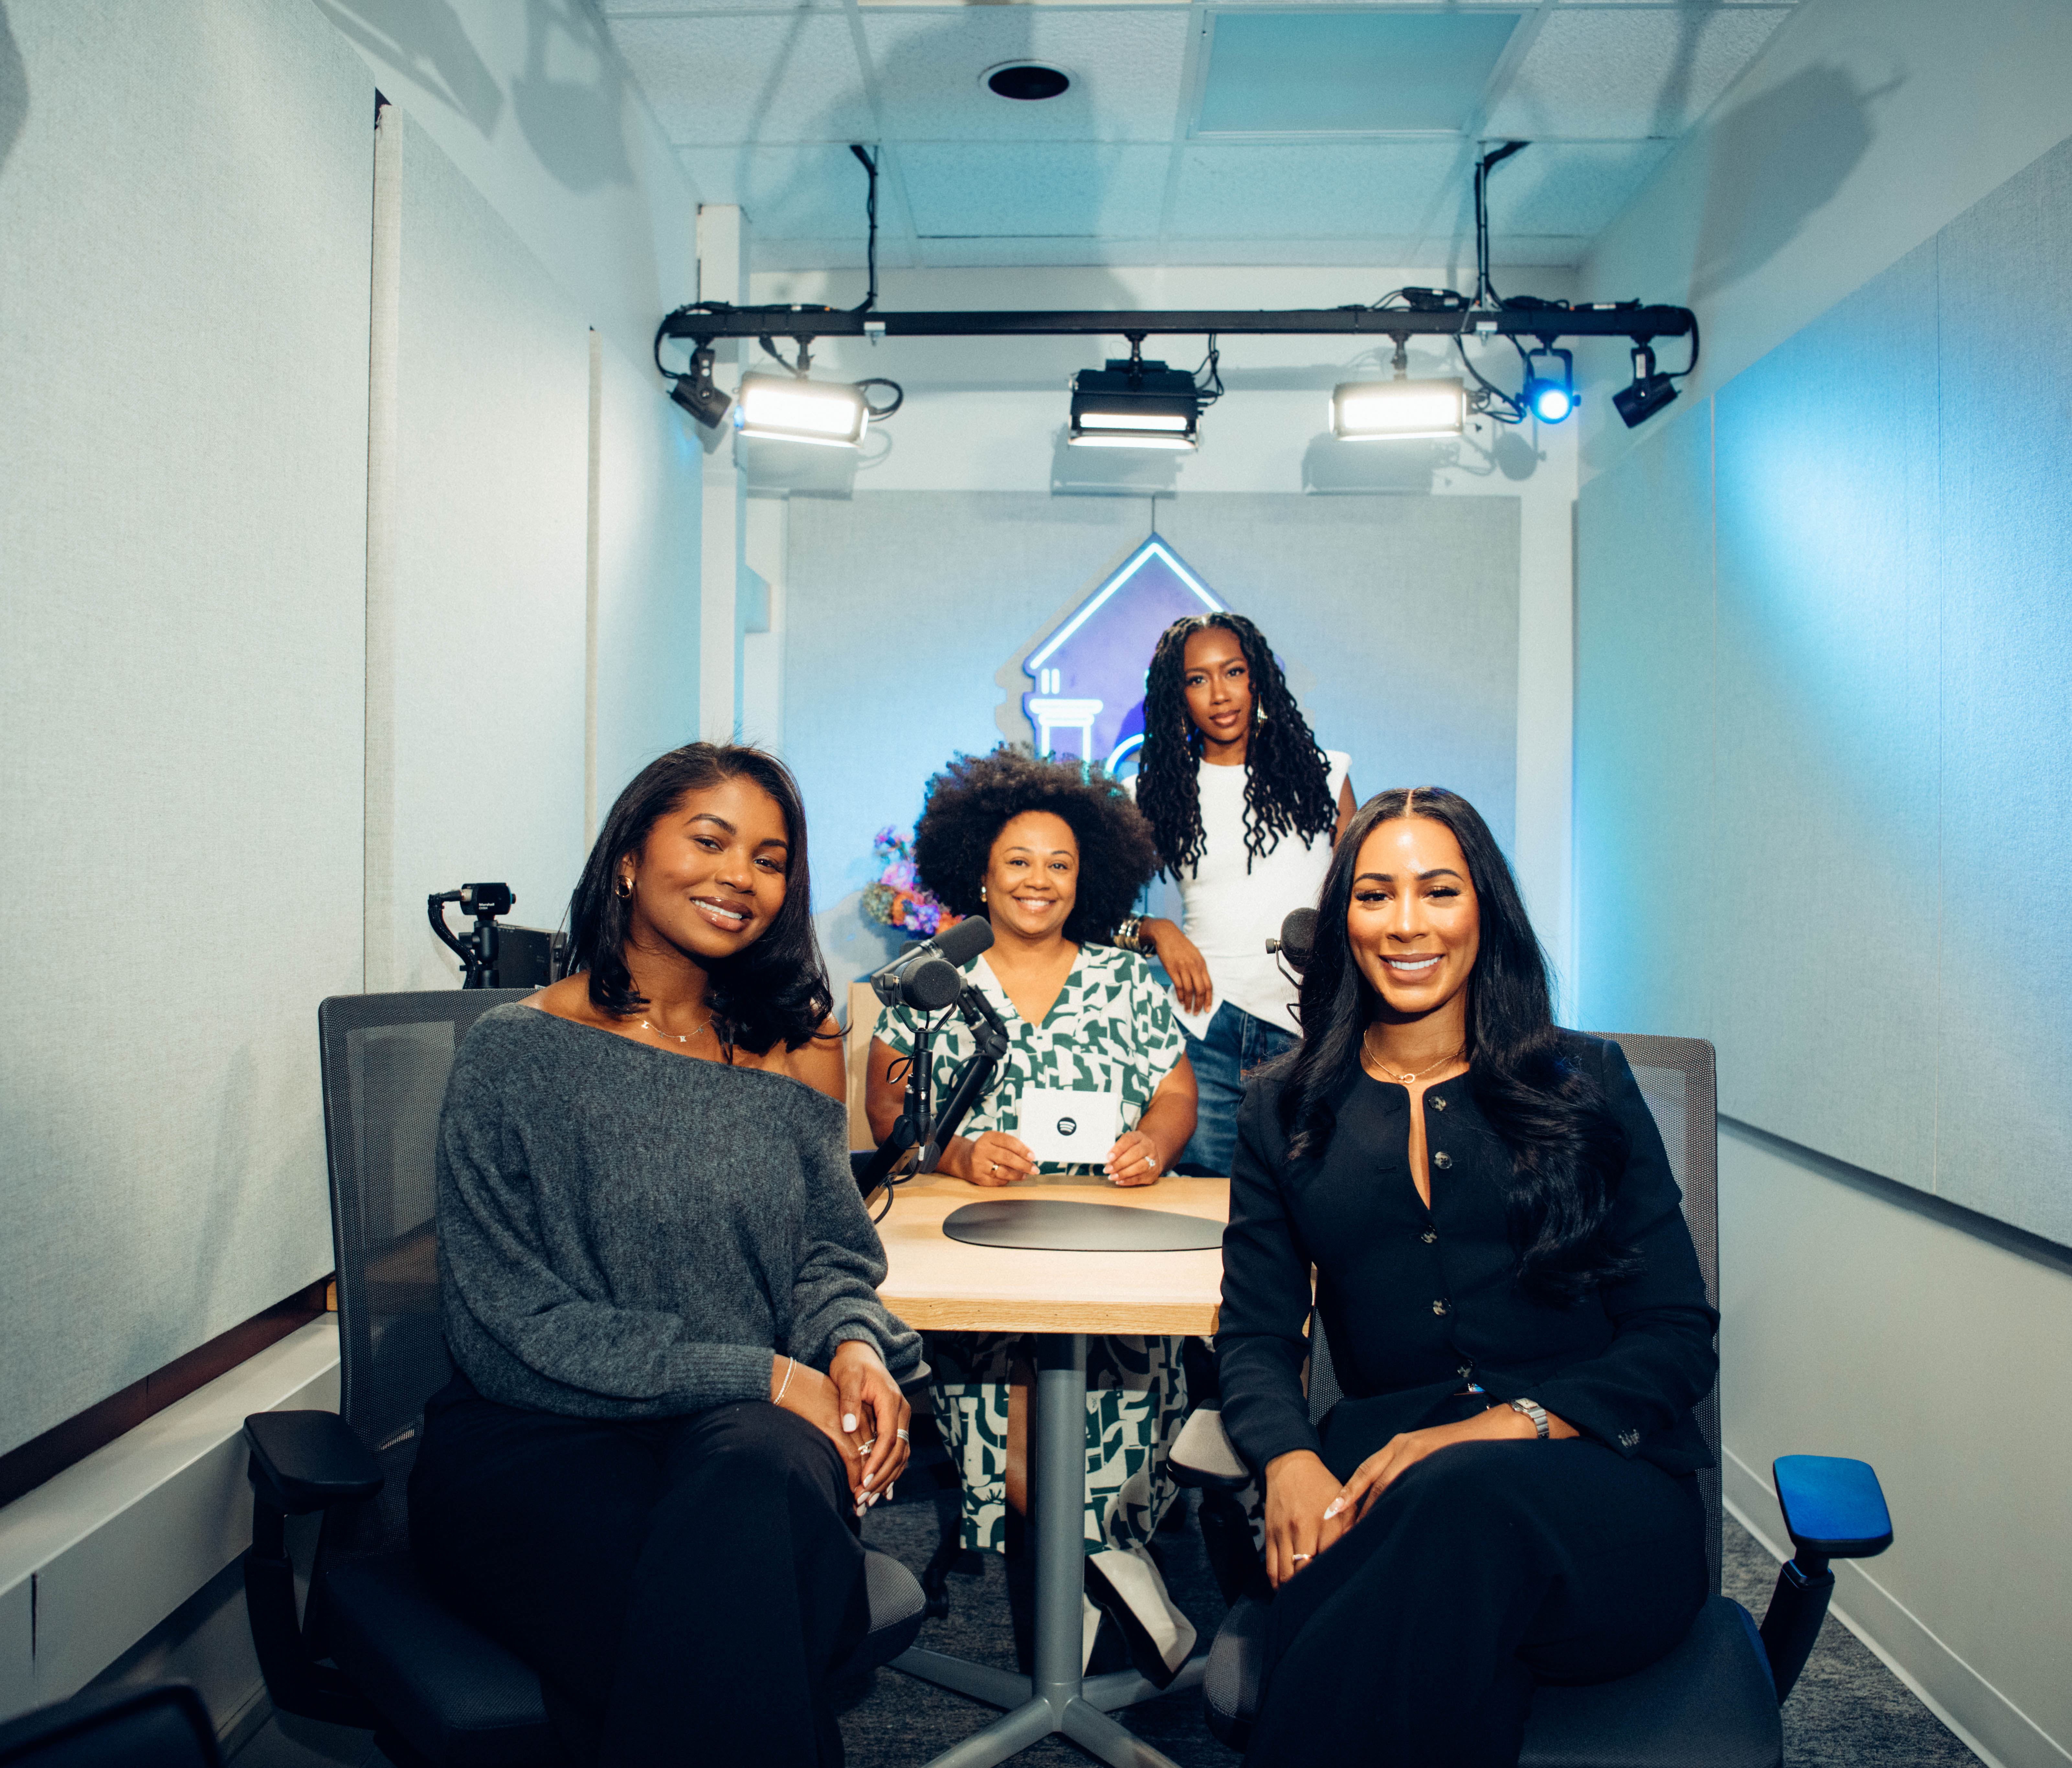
{"type": "Point", "coordinates": [1567, 1151]}
{"type": "Point", "coordinates": [774, 990]}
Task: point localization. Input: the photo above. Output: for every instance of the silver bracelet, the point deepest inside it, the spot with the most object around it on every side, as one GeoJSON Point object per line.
{"type": "Point", "coordinates": [790, 1364]}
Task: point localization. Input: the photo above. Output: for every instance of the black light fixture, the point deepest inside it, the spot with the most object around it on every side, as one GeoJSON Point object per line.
{"type": "Point", "coordinates": [696, 393]}
{"type": "Point", "coordinates": [1649, 392]}
{"type": "Point", "coordinates": [1136, 403]}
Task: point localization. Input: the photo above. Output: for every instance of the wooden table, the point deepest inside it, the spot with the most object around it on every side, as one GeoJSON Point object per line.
{"type": "Point", "coordinates": [938, 1284]}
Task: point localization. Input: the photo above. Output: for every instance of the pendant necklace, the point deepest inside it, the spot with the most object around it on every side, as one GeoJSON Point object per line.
{"type": "Point", "coordinates": [1402, 1077]}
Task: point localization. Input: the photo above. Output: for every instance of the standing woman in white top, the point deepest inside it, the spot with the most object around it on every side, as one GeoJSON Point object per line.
{"type": "Point", "coordinates": [1245, 808]}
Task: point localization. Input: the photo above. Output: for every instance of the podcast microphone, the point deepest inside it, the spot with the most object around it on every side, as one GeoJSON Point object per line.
{"type": "Point", "coordinates": [926, 976]}
{"type": "Point", "coordinates": [1298, 938]}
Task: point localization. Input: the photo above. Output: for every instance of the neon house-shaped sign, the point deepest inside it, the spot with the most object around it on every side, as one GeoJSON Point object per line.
{"type": "Point", "coordinates": [1089, 700]}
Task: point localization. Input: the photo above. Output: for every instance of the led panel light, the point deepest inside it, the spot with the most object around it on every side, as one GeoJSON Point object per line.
{"type": "Point", "coordinates": [832, 414]}
{"type": "Point", "coordinates": [1147, 405]}
{"type": "Point", "coordinates": [1376, 411]}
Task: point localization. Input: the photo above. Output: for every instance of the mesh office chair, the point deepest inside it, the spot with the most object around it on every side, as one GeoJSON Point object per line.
{"type": "Point", "coordinates": [432, 1688]}
{"type": "Point", "coordinates": [1713, 1701]}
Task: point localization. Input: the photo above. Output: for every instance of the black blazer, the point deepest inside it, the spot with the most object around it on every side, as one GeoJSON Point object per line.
{"type": "Point", "coordinates": [1417, 1303]}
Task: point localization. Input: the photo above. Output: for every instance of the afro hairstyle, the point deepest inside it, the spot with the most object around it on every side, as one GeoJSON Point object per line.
{"type": "Point", "coordinates": [973, 798]}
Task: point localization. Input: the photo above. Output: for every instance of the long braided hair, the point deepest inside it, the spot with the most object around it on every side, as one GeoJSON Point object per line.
{"type": "Point", "coordinates": [1287, 780]}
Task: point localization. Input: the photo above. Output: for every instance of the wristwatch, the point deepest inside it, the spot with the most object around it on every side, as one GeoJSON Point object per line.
{"type": "Point", "coordinates": [1536, 1412]}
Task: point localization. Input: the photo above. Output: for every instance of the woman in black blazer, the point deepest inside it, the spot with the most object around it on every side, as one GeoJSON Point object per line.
{"type": "Point", "coordinates": [1514, 1311]}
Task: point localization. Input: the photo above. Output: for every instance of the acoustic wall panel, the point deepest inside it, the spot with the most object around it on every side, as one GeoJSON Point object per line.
{"type": "Point", "coordinates": [1398, 616]}
{"type": "Point", "coordinates": [649, 480]}
{"type": "Point", "coordinates": [2005, 1142]}
{"type": "Point", "coordinates": [1644, 735]}
{"type": "Point", "coordinates": [1888, 958]}
{"type": "Point", "coordinates": [475, 683]}
{"type": "Point", "coordinates": [1823, 941]}
{"type": "Point", "coordinates": [183, 507]}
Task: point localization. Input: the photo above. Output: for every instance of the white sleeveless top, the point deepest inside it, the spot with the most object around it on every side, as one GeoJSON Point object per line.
{"type": "Point", "coordinates": [1232, 910]}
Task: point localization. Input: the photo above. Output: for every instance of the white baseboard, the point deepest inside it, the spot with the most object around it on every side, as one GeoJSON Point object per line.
{"type": "Point", "coordinates": [1989, 1724]}
{"type": "Point", "coordinates": [96, 1557]}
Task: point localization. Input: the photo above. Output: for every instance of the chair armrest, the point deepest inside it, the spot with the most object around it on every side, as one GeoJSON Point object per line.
{"type": "Point", "coordinates": [1834, 1508]}
{"type": "Point", "coordinates": [307, 1461]}
{"type": "Point", "coordinates": [1202, 1454]}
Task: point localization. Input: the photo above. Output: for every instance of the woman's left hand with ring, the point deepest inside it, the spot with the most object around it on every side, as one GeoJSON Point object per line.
{"type": "Point", "coordinates": [872, 1404]}
{"type": "Point", "coordinates": [1134, 1159]}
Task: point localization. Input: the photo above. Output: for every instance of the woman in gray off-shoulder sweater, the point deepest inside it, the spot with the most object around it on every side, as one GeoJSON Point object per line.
{"type": "Point", "coordinates": [677, 1388]}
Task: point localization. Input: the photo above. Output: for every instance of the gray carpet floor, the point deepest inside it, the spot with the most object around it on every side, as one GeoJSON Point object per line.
{"type": "Point", "coordinates": [1848, 1711]}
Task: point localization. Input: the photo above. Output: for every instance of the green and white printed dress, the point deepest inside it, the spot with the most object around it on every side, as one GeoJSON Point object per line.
{"type": "Point", "coordinates": [1111, 1029]}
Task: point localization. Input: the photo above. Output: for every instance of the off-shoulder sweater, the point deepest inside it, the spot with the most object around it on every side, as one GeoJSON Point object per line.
{"type": "Point", "coordinates": [625, 1232]}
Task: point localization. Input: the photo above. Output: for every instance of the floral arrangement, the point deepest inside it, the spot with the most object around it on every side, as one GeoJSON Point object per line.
{"type": "Point", "coordinates": [897, 899]}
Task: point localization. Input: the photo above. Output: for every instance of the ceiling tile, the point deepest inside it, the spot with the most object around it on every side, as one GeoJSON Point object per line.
{"type": "Point", "coordinates": [1626, 73]}
{"type": "Point", "coordinates": [616, 10]}
{"type": "Point", "coordinates": [1339, 70]}
{"type": "Point", "coordinates": [1565, 187]}
{"type": "Point", "coordinates": [812, 191]}
{"type": "Point", "coordinates": [728, 79]}
{"type": "Point", "coordinates": [1323, 190]}
{"type": "Point", "coordinates": [1125, 69]}
{"type": "Point", "coordinates": [1053, 190]}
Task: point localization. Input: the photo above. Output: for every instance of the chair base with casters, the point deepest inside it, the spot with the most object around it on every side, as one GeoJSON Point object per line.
{"type": "Point", "coordinates": [1714, 1700]}
{"type": "Point", "coordinates": [374, 1647]}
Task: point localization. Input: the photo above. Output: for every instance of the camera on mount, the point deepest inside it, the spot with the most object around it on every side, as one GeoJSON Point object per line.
{"type": "Point", "coordinates": [490, 956]}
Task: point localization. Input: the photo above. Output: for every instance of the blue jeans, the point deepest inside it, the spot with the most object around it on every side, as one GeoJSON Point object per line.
{"type": "Point", "coordinates": [1236, 1043]}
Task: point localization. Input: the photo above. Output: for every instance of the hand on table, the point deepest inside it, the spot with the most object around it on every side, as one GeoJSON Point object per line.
{"type": "Point", "coordinates": [994, 1158]}
{"type": "Point", "coordinates": [876, 1411]}
{"type": "Point", "coordinates": [1135, 1159]}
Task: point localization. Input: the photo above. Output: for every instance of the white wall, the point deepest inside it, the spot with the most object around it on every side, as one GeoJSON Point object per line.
{"type": "Point", "coordinates": [1860, 128]}
{"type": "Point", "coordinates": [989, 414]}
{"type": "Point", "coordinates": [535, 108]}
{"type": "Point", "coordinates": [1855, 1323]}
{"type": "Point", "coordinates": [183, 454]}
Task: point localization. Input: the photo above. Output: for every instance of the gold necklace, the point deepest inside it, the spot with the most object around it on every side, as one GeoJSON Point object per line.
{"type": "Point", "coordinates": [647, 1026]}
{"type": "Point", "coordinates": [1367, 1042]}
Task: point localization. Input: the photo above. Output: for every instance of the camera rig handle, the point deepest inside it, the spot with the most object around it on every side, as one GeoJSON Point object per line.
{"type": "Point", "coordinates": [476, 949]}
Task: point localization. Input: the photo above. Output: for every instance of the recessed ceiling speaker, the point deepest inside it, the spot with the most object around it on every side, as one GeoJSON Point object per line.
{"type": "Point", "coordinates": [1026, 80]}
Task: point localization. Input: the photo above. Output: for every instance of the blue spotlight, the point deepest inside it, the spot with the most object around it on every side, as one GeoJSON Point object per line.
{"type": "Point", "coordinates": [1549, 384]}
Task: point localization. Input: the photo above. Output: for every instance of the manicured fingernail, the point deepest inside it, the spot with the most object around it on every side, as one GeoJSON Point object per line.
{"type": "Point", "coordinates": [848, 1420]}
{"type": "Point", "coordinates": [1336, 1505]}
{"type": "Point", "coordinates": [866, 1479]}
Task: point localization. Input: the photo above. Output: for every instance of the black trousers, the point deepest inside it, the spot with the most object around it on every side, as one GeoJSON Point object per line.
{"type": "Point", "coordinates": [682, 1586]}
{"type": "Point", "coordinates": [1415, 1640]}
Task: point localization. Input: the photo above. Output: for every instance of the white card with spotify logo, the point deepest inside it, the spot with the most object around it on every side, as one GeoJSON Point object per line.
{"type": "Point", "coordinates": [1068, 1128]}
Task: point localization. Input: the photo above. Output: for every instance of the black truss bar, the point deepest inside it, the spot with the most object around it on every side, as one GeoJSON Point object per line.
{"type": "Point", "coordinates": [1631, 320]}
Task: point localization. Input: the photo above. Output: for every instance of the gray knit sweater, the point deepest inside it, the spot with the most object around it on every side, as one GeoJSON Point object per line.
{"type": "Point", "coordinates": [625, 1232]}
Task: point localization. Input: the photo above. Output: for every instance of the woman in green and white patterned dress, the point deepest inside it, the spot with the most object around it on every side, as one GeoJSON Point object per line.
{"type": "Point", "coordinates": [1055, 858]}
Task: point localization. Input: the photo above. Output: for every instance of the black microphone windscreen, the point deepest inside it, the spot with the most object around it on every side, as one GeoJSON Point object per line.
{"type": "Point", "coordinates": [1298, 936]}
{"type": "Point", "coordinates": [965, 941]}
{"type": "Point", "coordinates": [931, 984]}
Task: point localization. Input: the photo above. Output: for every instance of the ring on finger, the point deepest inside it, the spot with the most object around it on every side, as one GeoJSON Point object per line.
{"type": "Point", "coordinates": [900, 1435]}
{"type": "Point", "coordinates": [1297, 1558]}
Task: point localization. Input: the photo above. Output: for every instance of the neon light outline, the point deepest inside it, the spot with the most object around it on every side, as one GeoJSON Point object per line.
{"type": "Point", "coordinates": [1130, 566]}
